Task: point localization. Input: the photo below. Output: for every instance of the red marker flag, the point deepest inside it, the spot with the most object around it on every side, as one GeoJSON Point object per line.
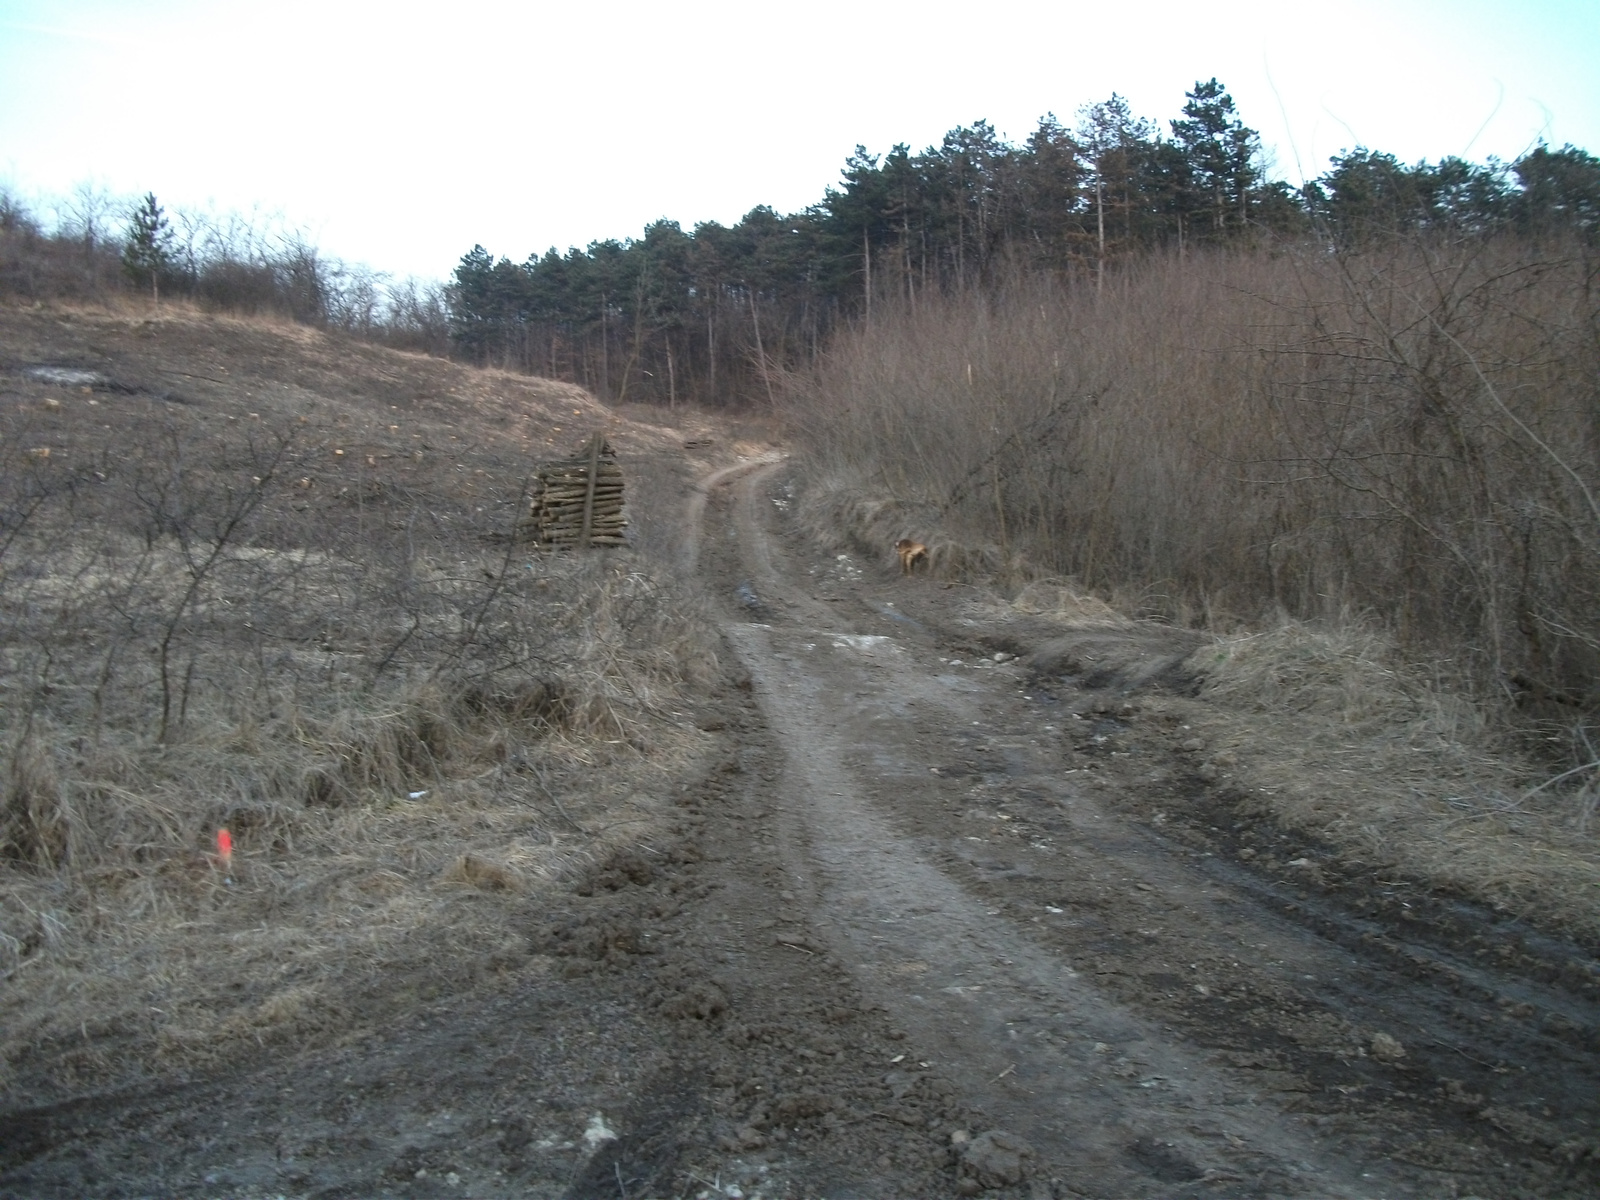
{"type": "Point", "coordinates": [225, 847]}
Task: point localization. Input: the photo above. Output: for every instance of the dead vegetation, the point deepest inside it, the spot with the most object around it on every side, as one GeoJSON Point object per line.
{"type": "Point", "coordinates": [1407, 432]}
{"type": "Point", "coordinates": [838, 510]}
{"type": "Point", "coordinates": [1332, 734]}
{"type": "Point", "coordinates": [275, 602]}
{"type": "Point", "coordinates": [219, 263]}
{"type": "Point", "coordinates": [1368, 475]}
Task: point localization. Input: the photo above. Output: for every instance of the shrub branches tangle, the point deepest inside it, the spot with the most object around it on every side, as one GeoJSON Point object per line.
{"type": "Point", "coordinates": [713, 314]}
{"type": "Point", "coordinates": [1404, 430]}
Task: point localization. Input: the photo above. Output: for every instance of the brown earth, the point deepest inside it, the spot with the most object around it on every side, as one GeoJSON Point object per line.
{"type": "Point", "coordinates": [946, 900]}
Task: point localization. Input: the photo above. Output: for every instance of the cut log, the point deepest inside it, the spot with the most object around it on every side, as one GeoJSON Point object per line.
{"type": "Point", "coordinates": [574, 516]}
{"type": "Point", "coordinates": [574, 529]}
{"type": "Point", "coordinates": [581, 471]}
{"type": "Point", "coordinates": [556, 501]}
{"type": "Point", "coordinates": [557, 510]}
{"type": "Point", "coordinates": [564, 488]}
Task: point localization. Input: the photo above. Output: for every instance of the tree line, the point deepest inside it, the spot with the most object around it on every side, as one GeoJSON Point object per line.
{"type": "Point", "coordinates": [716, 314]}
{"type": "Point", "coordinates": [99, 246]}
{"type": "Point", "coordinates": [720, 314]}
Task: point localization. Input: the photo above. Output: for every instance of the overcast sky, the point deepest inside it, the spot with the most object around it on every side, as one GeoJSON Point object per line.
{"type": "Point", "coordinates": [399, 135]}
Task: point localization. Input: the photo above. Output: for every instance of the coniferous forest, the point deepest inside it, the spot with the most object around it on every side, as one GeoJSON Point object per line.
{"type": "Point", "coordinates": [715, 315]}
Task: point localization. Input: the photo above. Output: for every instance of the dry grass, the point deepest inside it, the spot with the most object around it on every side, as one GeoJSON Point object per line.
{"type": "Point", "coordinates": [837, 512]}
{"type": "Point", "coordinates": [1068, 605]}
{"type": "Point", "coordinates": [1342, 741]}
{"type": "Point", "coordinates": [410, 724]}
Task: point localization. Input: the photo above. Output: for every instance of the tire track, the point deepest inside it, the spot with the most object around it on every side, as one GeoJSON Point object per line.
{"type": "Point", "coordinates": [1107, 1097]}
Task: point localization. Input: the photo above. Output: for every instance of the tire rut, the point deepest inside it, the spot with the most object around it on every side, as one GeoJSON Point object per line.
{"type": "Point", "coordinates": [1102, 1093]}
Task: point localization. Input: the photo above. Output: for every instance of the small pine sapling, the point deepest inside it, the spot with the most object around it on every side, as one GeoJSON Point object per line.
{"type": "Point", "coordinates": [147, 253]}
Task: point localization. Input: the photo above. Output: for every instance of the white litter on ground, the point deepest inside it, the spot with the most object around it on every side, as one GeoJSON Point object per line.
{"type": "Point", "coordinates": [67, 376]}
{"type": "Point", "coordinates": [864, 642]}
{"type": "Point", "coordinates": [598, 1133]}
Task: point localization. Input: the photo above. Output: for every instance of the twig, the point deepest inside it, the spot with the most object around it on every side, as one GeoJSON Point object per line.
{"type": "Point", "coordinates": [1494, 395]}
{"type": "Point", "coordinates": [1427, 1166]}
{"type": "Point", "coordinates": [192, 375]}
{"type": "Point", "coordinates": [613, 824]}
{"type": "Point", "coordinates": [1588, 766]}
{"type": "Point", "coordinates": [1463, 1053]}
{"type": "Point", "coordinates": [538, 778]}
{"type": "Point", "coordinates": [24, 963]}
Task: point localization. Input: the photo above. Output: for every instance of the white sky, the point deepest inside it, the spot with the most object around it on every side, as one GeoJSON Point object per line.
{"type": "Point", "coordinates": [400, 134]}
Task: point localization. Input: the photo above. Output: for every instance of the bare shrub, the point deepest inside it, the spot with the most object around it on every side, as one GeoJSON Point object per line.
{"type": "Point", "coordinates": [1372, 474]}
{"type": "Point", "coordinates": [1407, 432]}
{"type": "Point", "coordinates": [254, 266]}
{"type": "Point", "coordinates": [417, 318]}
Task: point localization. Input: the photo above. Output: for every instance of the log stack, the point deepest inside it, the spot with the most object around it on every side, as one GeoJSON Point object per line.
{"type": "Point", "coordinates": [577, 502]}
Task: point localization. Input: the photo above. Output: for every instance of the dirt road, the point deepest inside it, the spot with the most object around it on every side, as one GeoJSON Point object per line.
{"type": "Point", "coordinates": [1101, 1092]}
{"type": "Point", "coordinates": [987, 851]}
{"type": "Point", "coordinates": [938, 919]}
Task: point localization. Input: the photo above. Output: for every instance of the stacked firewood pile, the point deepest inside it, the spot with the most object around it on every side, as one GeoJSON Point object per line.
{"type": "Point", "coordinates": [578, 501]}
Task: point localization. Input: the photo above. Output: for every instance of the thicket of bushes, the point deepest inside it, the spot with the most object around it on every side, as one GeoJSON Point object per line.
{"type": "Point", "coordinates": [1407, 431]}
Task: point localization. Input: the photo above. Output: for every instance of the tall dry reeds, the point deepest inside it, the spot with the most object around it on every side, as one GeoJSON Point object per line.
{"type": "Point", "coordinates": [1411, 432]}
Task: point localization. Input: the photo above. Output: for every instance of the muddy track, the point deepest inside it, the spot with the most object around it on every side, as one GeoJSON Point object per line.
{"type": "Point", "coordinates": [1149, 1013]}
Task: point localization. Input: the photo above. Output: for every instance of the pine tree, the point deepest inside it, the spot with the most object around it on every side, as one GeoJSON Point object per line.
{"type": "Point", "coordinates": [147, 254]}
{"type": "Point", "coordinates": [1117, 150]}
{"type": "Point", "coordinates": [1221, 153]}
{"type": "Point", "coordinates": [1560, 188]}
